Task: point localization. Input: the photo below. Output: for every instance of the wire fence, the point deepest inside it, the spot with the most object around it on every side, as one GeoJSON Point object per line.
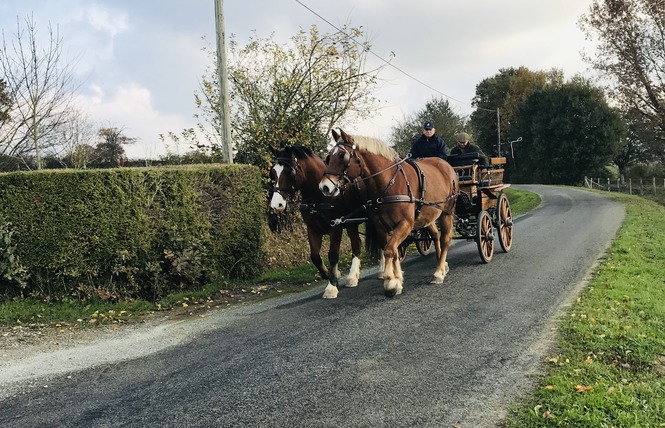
{"type": "Point", "coordinates": [638, 186]}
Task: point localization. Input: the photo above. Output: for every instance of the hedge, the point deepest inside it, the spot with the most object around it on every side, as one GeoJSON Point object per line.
{"type": "Point", "coordinates": [128, 232]}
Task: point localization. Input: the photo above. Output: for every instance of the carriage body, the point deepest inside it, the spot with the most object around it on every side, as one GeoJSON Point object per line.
{"type": "Point", "coordinates": [482, 207]}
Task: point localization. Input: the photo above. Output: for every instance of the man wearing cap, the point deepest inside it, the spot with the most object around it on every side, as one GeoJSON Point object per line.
{"type": "Point", "coordinates": [465, 146]}
{"type": "Point", "coordinates": [429, 144]}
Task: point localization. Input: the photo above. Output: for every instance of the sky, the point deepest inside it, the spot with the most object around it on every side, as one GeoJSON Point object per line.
{"type": "Point", "coordinates": [138, 63]}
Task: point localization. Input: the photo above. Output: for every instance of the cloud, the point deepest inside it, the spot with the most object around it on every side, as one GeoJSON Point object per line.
{"type": "Point", "coordinates": [104, 20]}
{"type": "Point", "coordinates": [129, 107]}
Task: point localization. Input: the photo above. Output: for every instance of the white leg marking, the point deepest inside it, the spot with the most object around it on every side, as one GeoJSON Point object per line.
{"type": "Point", "coordinates": [330, 292]}
{"type": "Point", "coordinates": [354, 273]}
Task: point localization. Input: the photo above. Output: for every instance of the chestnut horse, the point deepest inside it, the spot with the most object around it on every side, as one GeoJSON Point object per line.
{"type": "Point", "coordinates": [297, 169]}
{"type": "Point", "coordinates": [401, 195]}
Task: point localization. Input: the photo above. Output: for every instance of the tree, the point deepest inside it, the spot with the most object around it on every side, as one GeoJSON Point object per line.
{"type": "Point", "coordinates": [289, 94]}
{"type": "Point", "coordinates": [568, 132]}
{"type": "Point", "coordinates": [632, 152]}
{"type": "Point", "coordinates": [505, 91]}
{"type": "Point", "coordinates": [40, 88]}
{"type": "Point", "coordinates": [631, 54]}
{"type": "Point", "coordinates": [437, 110]}
{"type": "Point", "coordinates": [5, 103]}
{"type": "Point", "coordinates": [74, 139]}
{"type": "Point", "coordinates": [110, 151]}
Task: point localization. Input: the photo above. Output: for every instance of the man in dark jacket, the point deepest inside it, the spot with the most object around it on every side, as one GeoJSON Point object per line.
{"type": "Point", "coordinates": [429, 144]}
{"type": "Point", "coordinates": [465, 146]}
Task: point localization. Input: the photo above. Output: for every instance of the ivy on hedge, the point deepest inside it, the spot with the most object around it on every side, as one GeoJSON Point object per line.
{"type": "Point", "coordinates": [129, 232]}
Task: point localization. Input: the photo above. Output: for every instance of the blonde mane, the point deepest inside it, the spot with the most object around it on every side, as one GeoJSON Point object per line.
{"type": "Point", "coordinates": [375, 146]}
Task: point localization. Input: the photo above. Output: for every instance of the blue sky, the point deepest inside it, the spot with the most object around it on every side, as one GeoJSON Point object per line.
{"type": "Point", "coordinates": [138, 63]}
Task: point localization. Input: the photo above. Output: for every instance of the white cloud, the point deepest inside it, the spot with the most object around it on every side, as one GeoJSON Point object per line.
{"type": "Point", "coordinates": [129, 107]}
{"type": "Point", "coordinates": [103, 19]}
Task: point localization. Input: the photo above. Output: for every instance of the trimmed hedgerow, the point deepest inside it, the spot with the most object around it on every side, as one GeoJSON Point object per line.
{"type": "Point", "coordinates": [118, 233]}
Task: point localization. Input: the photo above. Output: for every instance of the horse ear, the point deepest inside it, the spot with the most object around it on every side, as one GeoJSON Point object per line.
{"type": "Point", "coordinates": [274, 150]}
{"type": "Point", "coordinates": [346, 137]}
{"type": "Point", "coordinates": [335, 135]}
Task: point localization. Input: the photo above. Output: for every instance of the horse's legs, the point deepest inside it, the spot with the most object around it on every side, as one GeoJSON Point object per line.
{"type": "Point", "coordinates": [354, 272]}
{"type": "Point", "coordinates": [436, 236]}
{"type": "Point", "coordinates": [392, 275]}
{"type": "Point", "coordinates": [382, 265]}
{"type": "Point", "coordinates": [331, 290]}
{"type": "Point", "coordinates": [315, 238]}
{"type": "Point", "coordinates": [446, 221]}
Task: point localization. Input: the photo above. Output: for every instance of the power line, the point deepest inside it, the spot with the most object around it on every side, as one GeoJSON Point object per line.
{"type": "Point", "coordinates": [386, 61]}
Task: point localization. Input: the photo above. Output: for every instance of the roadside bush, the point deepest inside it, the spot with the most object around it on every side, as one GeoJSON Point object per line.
{"type": "Point", "coordinates": [139, 232]}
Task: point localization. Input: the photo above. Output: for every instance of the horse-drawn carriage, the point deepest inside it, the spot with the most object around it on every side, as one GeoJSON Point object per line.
{"type": "Point", "coordinates": [482, 207]}
{"type": "Point", "coordinates": [427, 201]}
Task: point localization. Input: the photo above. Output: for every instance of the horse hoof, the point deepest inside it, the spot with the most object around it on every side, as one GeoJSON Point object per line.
{"type": "Point", "coordinates": [390, 293]}
{"type": "Point", "coordinates": [351, 282]}
{"type": "Point", "coordinates": [436, 280]}
{"type": "Point", "coordinates": [330, 292]}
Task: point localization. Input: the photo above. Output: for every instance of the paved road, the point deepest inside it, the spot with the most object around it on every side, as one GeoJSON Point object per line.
{"type": "Point", "coordinates": [435, 356]}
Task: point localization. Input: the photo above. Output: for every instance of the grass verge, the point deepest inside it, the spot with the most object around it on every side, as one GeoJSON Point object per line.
{"type": "Point", "coordinates": [608, 369]}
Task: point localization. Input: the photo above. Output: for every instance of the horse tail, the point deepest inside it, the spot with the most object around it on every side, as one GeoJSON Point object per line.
{"type": "Point", "coordinates": [372, 246]}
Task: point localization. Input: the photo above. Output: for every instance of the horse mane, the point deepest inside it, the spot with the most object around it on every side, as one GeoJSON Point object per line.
{"type": "Point", "coordinates": [375, 146]}
{"type": "Point", "coordinates": [300, 152]}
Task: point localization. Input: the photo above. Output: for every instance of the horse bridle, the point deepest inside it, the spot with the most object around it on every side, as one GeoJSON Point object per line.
{"type": "Point", "coordinates": [347, 161]}
{"type": "Point", "coordinates": [288, 162]}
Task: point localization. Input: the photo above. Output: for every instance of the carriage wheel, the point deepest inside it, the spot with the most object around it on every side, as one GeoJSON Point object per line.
{"type": "Point", "coordinates": [504, 222]}
{"type": "Point", "coordinates": [485, 236]}
{"type": "Point", "coordinates": [401, 251]}
{"type": "Point", "coordinates": [424, 242]}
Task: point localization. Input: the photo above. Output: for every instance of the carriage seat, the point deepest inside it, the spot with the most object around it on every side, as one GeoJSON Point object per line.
{"type": "Point", "coordinates": [464, 159]}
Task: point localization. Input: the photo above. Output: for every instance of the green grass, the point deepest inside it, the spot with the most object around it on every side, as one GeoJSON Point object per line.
{"type": "Point", "coordinates": [608, 369]}
{"type": "Point", "coordinates": [521, 201]}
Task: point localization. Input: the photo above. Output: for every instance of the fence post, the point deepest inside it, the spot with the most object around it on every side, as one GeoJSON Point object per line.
{"type": "Point", "coordinates": [654, 186]}
{"type": "Point", "coordinates": [609, 189]}
{"type": "Point", "coordinates": [630, 186]}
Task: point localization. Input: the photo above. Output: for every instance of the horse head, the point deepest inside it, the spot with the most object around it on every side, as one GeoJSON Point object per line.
{"type": "Point", "coordinates": [284, 177]}
{"type": "Point", "coordinates": [343, 165]}
{"type": "Point", "coordinates": [295, 169]}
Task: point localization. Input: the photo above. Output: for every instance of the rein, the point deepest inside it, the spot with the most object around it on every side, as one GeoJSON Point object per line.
{"type": "Point", "coordinates": [389, 199]}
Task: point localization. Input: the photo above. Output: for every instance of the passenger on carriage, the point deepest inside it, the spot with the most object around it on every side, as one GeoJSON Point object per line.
{"type": "Point", "coordinates": [465, 146]}
{"type": "Point", "coordinates": [428, 144]}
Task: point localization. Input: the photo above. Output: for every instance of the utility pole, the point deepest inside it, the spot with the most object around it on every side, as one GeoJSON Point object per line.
{"type": "Point", "coordinates": [224, 115]}
{"type": "Point", "coordinates": [498, 133]}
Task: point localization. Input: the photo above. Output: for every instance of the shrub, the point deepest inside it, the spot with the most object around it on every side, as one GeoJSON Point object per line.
{"type": "Point", "coordinates": [120, 233]}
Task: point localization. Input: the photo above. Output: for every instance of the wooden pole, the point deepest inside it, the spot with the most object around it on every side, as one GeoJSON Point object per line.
{"type": "Point", "coordinates": [224, 115]}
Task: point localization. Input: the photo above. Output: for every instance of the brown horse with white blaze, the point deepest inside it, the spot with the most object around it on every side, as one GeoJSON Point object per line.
{"type": "Point", "coordinates": [401, 194]}
{"type": "Point", "coordinates": [297, 169]}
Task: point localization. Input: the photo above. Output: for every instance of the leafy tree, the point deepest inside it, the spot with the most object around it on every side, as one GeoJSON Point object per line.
{"type": "Point", "coordinates": [632, 152]}
{"type": "Point", "coordinates": [631, 53]}
{"type": "Point", "coordinates": [5, 103]}
{"type": "Point", "coordinates": [437, 110]}
{"type": "Point", "coordinates": [568, 132]}
{"type": "Point", "coordinates": [41, 91]}
{"type": "Point", "coordinates": [110, 151]}
{"type": "Point", "coordinates": [291, 93]}
{"type": "Point", "coordinates": [506, 91]}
